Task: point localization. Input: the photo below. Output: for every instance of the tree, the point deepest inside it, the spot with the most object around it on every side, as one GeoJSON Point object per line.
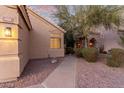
{"type": "Point", "coordinates": [85, 18]}
{"type": "Point", "coordinates": [89, 17]}
{"type": "Point", "coordinates": [65, 21]}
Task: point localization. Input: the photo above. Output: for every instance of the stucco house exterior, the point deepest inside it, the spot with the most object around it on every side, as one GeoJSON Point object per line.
{"type": "Point", "coordinates": [24, 35]}
{"type": "Point", "coordinates": [104, 40]}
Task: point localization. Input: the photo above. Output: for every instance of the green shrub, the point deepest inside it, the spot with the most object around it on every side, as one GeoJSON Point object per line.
{"type": "Point", "coordinates": [69, 50]}
{"type": "Point", "coordinates": [115, 58]}
{"type": "Point", "coordinates": [122, 39]}
{"type": "Point", "coordinates": [90, 54]}
{"type": "Point", "coordinates": [78, 52]}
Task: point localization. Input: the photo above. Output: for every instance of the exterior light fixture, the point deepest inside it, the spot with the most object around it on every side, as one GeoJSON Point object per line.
{"type": "Point", "coordinates": [8, 32]}
{"type": "Point", "coordinates": [90, 44]}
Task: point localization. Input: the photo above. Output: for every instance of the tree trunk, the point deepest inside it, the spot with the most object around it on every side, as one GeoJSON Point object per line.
{"type": "Point", "coordinates": [86, 42]}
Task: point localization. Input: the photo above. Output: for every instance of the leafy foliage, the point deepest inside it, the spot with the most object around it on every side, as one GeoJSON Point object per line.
{"type": "Point", "coordinates": [83, 19]}
{"type": "Point", "coordinates": [89, 17]}
{"type": "Point", "coordinates": [78, 52]}
{"type": "Point", "coordinates": [116, 57]}
{"type": "Point", "coordinates": [90, 54]}
{"type": "Point", "coordinates": [65, 21]}
{"type": "Point", "coordinates": [69, 50]}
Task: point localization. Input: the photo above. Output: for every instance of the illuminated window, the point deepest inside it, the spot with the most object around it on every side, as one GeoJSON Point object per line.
{"type": "Point", "coordinates": [55, 42]}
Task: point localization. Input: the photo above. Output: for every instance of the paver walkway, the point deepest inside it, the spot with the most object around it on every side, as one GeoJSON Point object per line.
{"type": "Point", "coordinates": [63, 76]}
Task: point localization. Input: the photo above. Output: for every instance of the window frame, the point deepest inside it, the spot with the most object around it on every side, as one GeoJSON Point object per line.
{"type": "Point", "coordinates": [55, 37]}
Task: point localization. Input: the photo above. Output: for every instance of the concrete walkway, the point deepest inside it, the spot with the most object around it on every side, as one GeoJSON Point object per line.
{"type": "Point", "coordinates": [36, 86]}
{"type": "Point", "coordinates": [63, 76]}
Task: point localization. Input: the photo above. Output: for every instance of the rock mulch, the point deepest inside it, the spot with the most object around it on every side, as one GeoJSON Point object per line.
{"type": "Point", "coordinates": [99, 75]}
{"type": "Point", "coordinates": [34, 73]}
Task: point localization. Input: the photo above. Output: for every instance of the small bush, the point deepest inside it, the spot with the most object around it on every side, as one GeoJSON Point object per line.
{"type": "Point", "coordinates": [78, 52]}
{"type": "Point", "coordinates": [69, 50]}
{"type": "Point", "coordinates": [90, 54]}
{"type": "Point", "coordinates": [122, 39]}
{"type": "Point", "coordinates": [115, 58]}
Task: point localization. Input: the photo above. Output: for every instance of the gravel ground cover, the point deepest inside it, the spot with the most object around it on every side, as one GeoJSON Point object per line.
{"type": "Point", "coordinates": [98, 75]}
{"type": "Point", "coordinates": [34, 73]}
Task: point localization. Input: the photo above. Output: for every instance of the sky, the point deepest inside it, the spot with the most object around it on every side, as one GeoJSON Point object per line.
{"type": "Point", "coordinates": [48, 11]}
{"type": "Point", "coordinates": [45, 11]}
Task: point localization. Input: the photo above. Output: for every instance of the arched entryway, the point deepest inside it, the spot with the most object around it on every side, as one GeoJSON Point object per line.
{"type": "Point", "coordinates": [79, 43]}
{"type": "Point", "coordinates": [92, 42]}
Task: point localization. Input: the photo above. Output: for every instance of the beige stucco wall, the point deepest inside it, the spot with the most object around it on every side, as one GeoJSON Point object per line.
{"type": "Point", "coordinates": [13, 50]}
{"type": "Point", "coordinates": [9, 60]}
{"type": "Point", "coordinates": [40, 38]}
{"type": "Point", "coordinates": [23, 44]}
{"type": "Point", "coordinates": [111, 40]}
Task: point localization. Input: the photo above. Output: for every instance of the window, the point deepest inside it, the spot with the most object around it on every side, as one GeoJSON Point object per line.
{"type": "Point", "coordinates": [55, 42]}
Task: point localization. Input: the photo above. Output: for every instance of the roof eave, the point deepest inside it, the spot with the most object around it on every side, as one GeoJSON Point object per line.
{"type": "Point", "coordinates": [58, 27]}
{"type": "Point", "coordinates": [25, 16]}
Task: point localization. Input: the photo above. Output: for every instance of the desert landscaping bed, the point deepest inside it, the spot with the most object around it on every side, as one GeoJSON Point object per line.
{"type": "Point", "coordinates": [98, 75]}
{"type": "Point", "coordinates": [35, 72]}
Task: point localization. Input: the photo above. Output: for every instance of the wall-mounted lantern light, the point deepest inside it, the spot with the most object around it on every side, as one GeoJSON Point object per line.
{"type": "Point", "coordinates": [90, 44]}
{"type": "Point", "coordinates": [8, 32]}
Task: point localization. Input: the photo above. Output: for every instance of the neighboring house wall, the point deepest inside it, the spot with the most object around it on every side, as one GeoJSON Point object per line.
{"type": "Point", "coordinates": [107, 38]}
{"type": "Point", "coordinates": [40, 38]}
{"type": "Point", "coordinates": [99, 39]}
{"type": "Point", "coordinates": [9, 60]}
{"type": "Point", "coordinates": [111, 40]}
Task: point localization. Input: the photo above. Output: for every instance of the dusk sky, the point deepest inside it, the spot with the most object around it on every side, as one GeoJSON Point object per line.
{"type": "Point", "coordinates": [45, 11]}
{"type": "Point", "coordinates": [48, 11]}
